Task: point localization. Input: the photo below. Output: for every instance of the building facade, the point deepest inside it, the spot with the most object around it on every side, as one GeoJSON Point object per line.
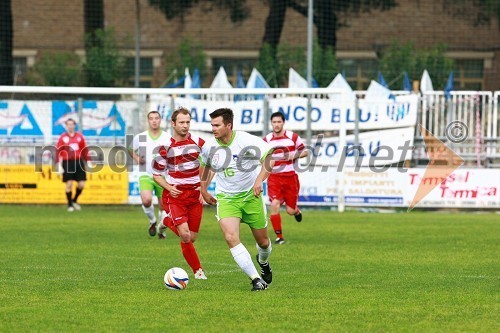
{"type": "Point", "coordinates": [54, 25]}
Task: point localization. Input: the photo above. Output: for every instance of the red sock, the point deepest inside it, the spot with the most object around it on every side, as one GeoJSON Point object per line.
{"type": "Point", "coordinates": [276, 221]}
{"type": "Point", "coordinates": [189, 253]}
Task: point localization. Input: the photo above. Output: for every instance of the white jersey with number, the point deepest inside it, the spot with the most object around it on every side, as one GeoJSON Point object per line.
{"type": "Point", "coordinates": [236, 164]}
{"type": "Point", "coordinates": [148, 147]}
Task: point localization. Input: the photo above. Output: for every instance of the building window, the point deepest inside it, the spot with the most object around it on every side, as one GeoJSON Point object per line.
{"type": "Point", "coordinates": [146, 71]}
{"type": "Point", "coordinates": [468, 74]}
{"type": "Point", "coordinates": [358, 72]}
{"type": "Point", "coordinates": [231, 66]}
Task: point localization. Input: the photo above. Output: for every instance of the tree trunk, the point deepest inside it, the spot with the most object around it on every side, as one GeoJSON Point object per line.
{"type": "Point", "coordinates": [6, 37]}
{"type": "Point", "coordinates": [326, 23]}
{"type": "Point", "coordinates": [94, 20]}
{"type": "Point", "coordinates": [274, 22]}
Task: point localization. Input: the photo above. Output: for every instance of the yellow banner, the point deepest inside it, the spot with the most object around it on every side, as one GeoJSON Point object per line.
{"type": "Point", "coordinates": [22, 184]}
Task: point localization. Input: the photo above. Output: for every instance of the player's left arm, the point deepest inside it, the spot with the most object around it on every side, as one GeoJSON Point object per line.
{"type": "Point", "coordinates": [265, 170]}
{"type": "Point", "coordinates": [301, 150]}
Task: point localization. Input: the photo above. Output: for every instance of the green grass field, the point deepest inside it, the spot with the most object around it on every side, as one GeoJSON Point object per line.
{"type": "Point", "coordinates": [98, 270]}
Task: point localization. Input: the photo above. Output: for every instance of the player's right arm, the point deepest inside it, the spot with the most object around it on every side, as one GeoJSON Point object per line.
{"type": "Point", "coordinates": [132, 151]}
{"type": "Point", "coordinates": [206, 175]}
{"type": "Point", "coordinates": [174, 191]}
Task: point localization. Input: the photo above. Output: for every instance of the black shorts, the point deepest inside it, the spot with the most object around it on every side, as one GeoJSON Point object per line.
{"type": "Point", "coordinates": [74, 170]}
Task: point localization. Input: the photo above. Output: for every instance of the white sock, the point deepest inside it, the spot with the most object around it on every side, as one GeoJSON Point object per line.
{"type": "Point", "coordinates": [244, 260]}
{"type": "Point", "coordinates": [150, 212]}
{"type": "Point", "coordinates": [264, 253]}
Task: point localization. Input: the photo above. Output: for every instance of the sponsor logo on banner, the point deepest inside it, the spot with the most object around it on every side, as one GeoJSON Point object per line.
{"type": "Point", "coordinates": [99, 118]}
{"type": "Point", "coordinates": [24, 185]}
{"type": "Point", "coordinates": [474, 188]}
{"type": "Point", "coordinates": [18, 123]}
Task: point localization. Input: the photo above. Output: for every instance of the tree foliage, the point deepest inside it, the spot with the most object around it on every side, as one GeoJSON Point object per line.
{"type": "Point", "coordinates": [104, 66]}
{"type": "Point", "coordinates": [189, 54]}
{"type": "Point", "coordinates": [61, 69]}
{"type": "Point", "coordinates": [180, 8]}
{"type": "Point", "coordinates": [398, 58]}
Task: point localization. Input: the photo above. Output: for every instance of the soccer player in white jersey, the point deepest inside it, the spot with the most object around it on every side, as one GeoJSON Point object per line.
{"type": "Point", "coordinates": [235, 157]}
{"type": "Point", "coordinates": [181, 195]}
{"type": "Point", "coordinates": [144, 150]}
{"type": "Point", "coordinates": [283, 183]}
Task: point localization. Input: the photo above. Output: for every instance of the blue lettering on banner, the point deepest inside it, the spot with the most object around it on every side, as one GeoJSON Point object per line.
{"type": "Point", "coordinates": [398, 111]}
{"type": "Point", "coordinates": [246, 116]}
{"type": "Point", "coordinates": [194, 115]}
{"type": "Point", "coordinates": [286, 112]}
{"type": "Point", "coordinates": [200, 116]}
{"type": "Point", "coordinates": [318, 115]}
{"type": "Point", "coordinates": [298, 108]}
{"type": "Point", "coordinates": [373, 200]}
{"type": "Point", "coordinates": [331, 149]}
{"type": "Point", "coordinates": [374, 148]}
{"type": "Point", "coordinates": [206, 116]}
{"type": "Point", "coordinates": [24, 128]}
{"type": "Point", "coordinates": [318, 199]}
{"type": "Point", "coordinates": [335, 116]}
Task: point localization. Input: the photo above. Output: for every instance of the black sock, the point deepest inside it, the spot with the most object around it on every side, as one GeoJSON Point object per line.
{"type": "Point", "coordinates": [68, 196]}
{"type": "Point", "coordinates": [77, 194]}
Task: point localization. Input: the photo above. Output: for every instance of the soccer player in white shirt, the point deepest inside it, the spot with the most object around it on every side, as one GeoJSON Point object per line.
{"type": "Point", "coordinates": [144, 150]}
{"type": "Point", "coordinates": [283, 183]}
{"type": "Point", "coordinates": [235, 157]}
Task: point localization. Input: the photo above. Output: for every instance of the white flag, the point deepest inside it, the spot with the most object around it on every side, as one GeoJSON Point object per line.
{"type": "Point", "coordinates": [256, 80]}
{"type": "Point", "coordinates": [377, 92]}
{"type": "Point", "coordinates": [426, 83]}
{"type": "Point", "coordinates": [295, 80]}
{"type": "Point", "coordinates": [187, 79]}
{"type": "Point", "coordinates": [220, 80]}
{"type": "Point", "coordinates": [339, 82]}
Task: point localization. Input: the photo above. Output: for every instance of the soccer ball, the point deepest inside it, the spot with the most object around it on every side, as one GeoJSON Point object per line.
{"type": "Point", "coordinates": [176, 279]}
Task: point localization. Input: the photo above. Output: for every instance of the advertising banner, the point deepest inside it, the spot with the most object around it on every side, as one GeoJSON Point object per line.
{"type": "Point", "coordinates": [21, 184]}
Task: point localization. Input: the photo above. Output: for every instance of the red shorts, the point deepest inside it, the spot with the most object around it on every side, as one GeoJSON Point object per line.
{"type": "Point", "coordinates": [186, 208]}
{"type": "Point", "coordinates": [284, 188]}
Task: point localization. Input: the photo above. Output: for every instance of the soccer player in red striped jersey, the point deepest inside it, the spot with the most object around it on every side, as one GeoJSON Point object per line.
{"type": "Point", "coordinates": [283, 183]}
{"type": "Point", "coordinates": [182, 201]}
{"type": "Point", "coordinates": [73, 153]}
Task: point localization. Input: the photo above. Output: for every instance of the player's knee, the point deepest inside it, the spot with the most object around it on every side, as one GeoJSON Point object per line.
{"type": "Point", "coordinates": [146, 202]}
{"type": "Point", "coordinates": [232, 239]}
{"type": "Point", "coordinates": [263, 243]}
{"type": "Point", "coordinates": [291, 211]}
{"type": "Point", "coordinates": [275, 204]}
{"type": "Point", "coordinates": [185, 237]}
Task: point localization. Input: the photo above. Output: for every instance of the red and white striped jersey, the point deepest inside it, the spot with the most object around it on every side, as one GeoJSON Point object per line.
{"type": "Point", "coordinates": [178, 160]}
{"type": "Point", "coordinates": [284, 146]}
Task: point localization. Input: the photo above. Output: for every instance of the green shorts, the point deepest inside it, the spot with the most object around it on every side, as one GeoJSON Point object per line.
{"type": "Point", "coordinates": [245, 206]}
{"type": "Point", "coordinates": [147, 183]}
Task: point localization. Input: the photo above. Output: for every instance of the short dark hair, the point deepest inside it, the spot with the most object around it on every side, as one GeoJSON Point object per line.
{"type": "Point", "coordinates": [70, 119]}
{"type": "Point", "coordinates": [151, 112]}
{"type": "Point", "coordinates": [278, 114]}
{"type": "Point", "coordinates": [180, 110]}
{"type": "Point", "coordinates": [226, 114]}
